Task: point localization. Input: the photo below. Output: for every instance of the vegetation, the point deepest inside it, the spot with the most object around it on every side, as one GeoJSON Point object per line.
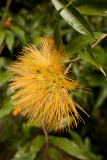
{"type": "Point", "coordinates": [80, 28]}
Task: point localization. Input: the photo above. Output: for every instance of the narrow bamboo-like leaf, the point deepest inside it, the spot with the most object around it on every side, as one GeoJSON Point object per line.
{"type": "Point", "coordinates": [90, 2]}
{"type": "Point", "coordinates": [2, 36]}
{"type": "Point", "coordinates": [81, 42]}
{"type": "Point", "coordinates": [68, 146]}
{"type": "Point", "coordinates": [96, 10]}
{"type": "Point", "coordinates": [10, 40]}
{"type": "Point", "coordinates": [88, 56]}
{"type": "Point", "coordinates": [57, 37]}
{"type": "Point", "coordinates": [73, 17]}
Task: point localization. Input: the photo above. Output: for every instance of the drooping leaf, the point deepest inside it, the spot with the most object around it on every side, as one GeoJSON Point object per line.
{"type": "Point", "coordinates": [10, 40]}
{"type": "Point", "coordinates": [68, 146]}
{"type": "Point", "coordinates": [81, 42]}
{"type": "Point", "coordinates": [2, 36]}
{"type": "Point", "coordinates": [88, 56]}
{"type": "Point", "coordinates": [95, 10]}
{"type": "Point", "coordinates": [73, 17]}
{"type": "Point", "coordinates": [90, 2]}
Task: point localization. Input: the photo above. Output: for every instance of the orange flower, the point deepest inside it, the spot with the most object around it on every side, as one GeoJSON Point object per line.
{"type": "Point", "coordinates": [16, 111]}
{"type": "Point", "coordinates": [42, 88]}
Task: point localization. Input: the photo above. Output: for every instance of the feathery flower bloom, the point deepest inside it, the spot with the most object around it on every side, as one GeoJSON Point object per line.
{"type": "Point", "coordinates": [42, 88]}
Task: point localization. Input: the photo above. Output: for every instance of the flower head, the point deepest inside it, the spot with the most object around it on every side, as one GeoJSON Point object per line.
{"type": "Point", "coordinates": [42, 88]}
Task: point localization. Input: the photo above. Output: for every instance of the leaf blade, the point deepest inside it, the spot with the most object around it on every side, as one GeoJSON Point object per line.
{"type": "Point", "coordinates": [10, 40]}
{"type": "Point", "coordinates": [2, 36]}
{"type": "Point", "coordinates": [88, 56]}
{"type": "Point", "coordinates": [96, 10]}
{"type": "Point", "coordinates": [68, 146]}
{"type": "Point", "coordinates": [81, 42]}
{"type": "Point", "coordinates": [73, 17]}
{"type": "Point", "coordinates": [57, 36]}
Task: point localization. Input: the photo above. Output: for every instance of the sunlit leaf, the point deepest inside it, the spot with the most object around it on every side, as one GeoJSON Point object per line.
{"type": "Point", "coordinates": [73, 17]}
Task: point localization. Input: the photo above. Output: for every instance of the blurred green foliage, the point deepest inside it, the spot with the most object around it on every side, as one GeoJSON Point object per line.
{"type": "Point", "coordinates": [25, 21]}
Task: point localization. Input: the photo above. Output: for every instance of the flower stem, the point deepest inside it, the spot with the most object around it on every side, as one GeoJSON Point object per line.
{"type": "Point", "coordinates": [46, 138]}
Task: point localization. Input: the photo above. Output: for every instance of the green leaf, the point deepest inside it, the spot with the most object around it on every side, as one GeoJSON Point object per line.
{"type": "Point", "coordinates": [88, 56]}
{"type": "Point", "coordinates": [4, 62]}
{"type": "Point", "coordinates": [95, 10]}
{"type": "Point", "coordinates": [4, 77]}
{"type": "Point", "coordinates": [2, 36]}
{"type": "Point", "coordinates": [29, 150]}
{"type": "Point", "coordinates": [36, 145]}
{"type": "Point", "coordinates": [77, 138]}
{"type": "Point", "coordinates": [21, 154]}
{"type": "Point", "coordinates": [73, 17]}
{"type": "Point", "coordinates": [57, 37]}
{"type": "Point", "coordinates": [101, 56]}
{"type": "Point", "coordinates": [90, 2]}
{"type": "Point", "coordinates": [87, 144]}
{"type": "Point", "coordinates": [53, 153]}
{"type": "Point", "coordinates": [68, 146]}
{"type": "Point", "coordinates": [81, 42]}
{"type": "Point", "coordinates": [102, 96]}
{"type": "Point", "coordinates": [9, 40]}
{"type": "Point", "coordinates": [97, 81]}
{"type": "Point", "coordinates": [19, 32]}
{"type": "Point", "coordinates": [7, 107]}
